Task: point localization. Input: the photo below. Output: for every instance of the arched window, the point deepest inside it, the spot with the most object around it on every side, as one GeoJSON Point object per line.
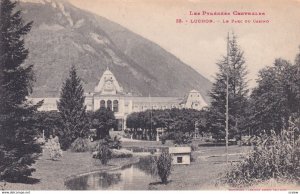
{"type": "Point", "coordinates": [116, 106]}
{"type": "Point", "coordinates": [109, 105]}
{"type": "Point", "coordinates": [102, 104]}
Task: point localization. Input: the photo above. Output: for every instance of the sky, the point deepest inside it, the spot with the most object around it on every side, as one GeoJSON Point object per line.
{"type": "Point", "coordinates": [202, 45]}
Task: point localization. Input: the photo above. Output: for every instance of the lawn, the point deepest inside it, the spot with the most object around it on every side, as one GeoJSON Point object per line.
{"type": "Point", "coordinates": [210, 162]}
{"type": "Point", "coordinates": [51, 175]}
{"type": "Point", "coordinates": [201, 174]}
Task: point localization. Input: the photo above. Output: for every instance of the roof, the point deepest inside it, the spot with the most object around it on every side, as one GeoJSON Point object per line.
{"type": "Point", "coordinates": [153, 99]}
{"type": "Point", "coordinates": [106, 76]}
{"type": "Point", "coordinates": [194, 91]}
{"type": "Point", "coordinates": [180, 150]}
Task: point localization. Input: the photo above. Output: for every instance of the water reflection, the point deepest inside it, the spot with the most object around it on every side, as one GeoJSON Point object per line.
{"type": "Point", "coordinates": [148, 165]}
{"type": "Point", "coordinates": [132, 177]}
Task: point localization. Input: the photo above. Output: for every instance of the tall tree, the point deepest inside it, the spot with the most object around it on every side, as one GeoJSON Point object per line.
{"type": "Point", "coordinates": [72, 110]}
{"type": "Point", "coordinates": [296, 85]}
{"type": "Point", "coordinates": [276, 98]}
{"type": "Point", "coordinates": [103, 120]}
{"type": "Point", "coordinates": [232, 65]}
{"type": "Point", "coordinates": [18, 132]}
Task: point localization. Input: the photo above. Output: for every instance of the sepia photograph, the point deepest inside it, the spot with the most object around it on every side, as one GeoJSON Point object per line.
{"type": "Point", "coordinates": [139, 95]}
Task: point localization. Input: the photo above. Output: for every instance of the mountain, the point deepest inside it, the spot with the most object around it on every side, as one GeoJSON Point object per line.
{"type": "Point", "coordinates": [63, 34]}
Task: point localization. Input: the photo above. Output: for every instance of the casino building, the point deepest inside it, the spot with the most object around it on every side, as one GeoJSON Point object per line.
{"type": "Point", "coordinates": [108, 93]}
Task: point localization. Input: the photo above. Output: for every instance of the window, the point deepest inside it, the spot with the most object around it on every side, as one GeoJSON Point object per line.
{"type": "Point", "coordinates": [179, 159]}
{"type": "Point", "coordinates": [102, 104]}
{"type": "Point", "coordinates": [116, 106]}
{"type": "Point", "coordinates": [109, 105]}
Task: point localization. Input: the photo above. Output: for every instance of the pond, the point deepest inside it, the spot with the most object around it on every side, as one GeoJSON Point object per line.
{"type": "Point", "coordinates": [132, 177]}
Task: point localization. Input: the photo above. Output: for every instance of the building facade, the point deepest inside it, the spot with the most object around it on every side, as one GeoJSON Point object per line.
{"type": "Point", "coordinates": [109, 94]}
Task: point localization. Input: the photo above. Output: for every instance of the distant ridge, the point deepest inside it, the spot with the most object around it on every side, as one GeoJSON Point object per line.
{"type": "Point", "coordinates": [63, 35]}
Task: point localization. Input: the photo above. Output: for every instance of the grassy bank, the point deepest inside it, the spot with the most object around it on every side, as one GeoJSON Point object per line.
{"type": "Point", "coordinates": [51, 175]}
{"type": "Point", "coordinates": [203, 173]}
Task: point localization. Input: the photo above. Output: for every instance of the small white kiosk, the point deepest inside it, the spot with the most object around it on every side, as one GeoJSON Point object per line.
{"type": "Point", "coordinates": [180, 155]}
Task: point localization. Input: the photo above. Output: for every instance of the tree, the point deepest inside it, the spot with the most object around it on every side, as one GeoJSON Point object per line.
{"type": "Point", "coordinates": [72, 110]}
{"type": "Point", "coordinates": [133, 123]}
{"type": "Point", "coordinates": [234, 67]}
{"type": "Point", "coordinates": [49, 122]}
{"type": "Point", "coordinates": [103, 120]}
{"type": "Point", "coordinates": [18, 146]}
{"type": "Point", "coordinates": [276, 98]}
{"type": "Point", "coordinates": [104, 153]}
{"type": "Point", "coordinates": [164, 164]}
{"type": "Point", "coordinates": [177, 122]}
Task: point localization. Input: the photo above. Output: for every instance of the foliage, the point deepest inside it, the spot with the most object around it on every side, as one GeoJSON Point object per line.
{"type": "Point", "coordinates": [72, 110]}
{"type": "Point", "coordinates": [49, 121]}
{"type": "Point", "coordinates": [177, 137]}
{"type": "Point", "coordinates": [234, 67]}
{"type": "Point", "coordinates": [121, 153]}
{"type": "Point", "coordinates": [144, 124]}
{"type": "Point", "coordinates": [274, 157]}
{"type": "Point", "coordinates": [80, 145]}
{"type": "Point", "coordinates": [114, 143]}
{"type": "Point", "coordinates": [103, 153]}
{"type": "Point", "coordinates": [276, 97]}
{"type": "Point", "coordinates": [103, 120]}
{"type": "Point", "coordinates": [18, 148]}
{"type": "Point", "coordinates": [54, 148]}
{"type": "Point", "coordinates": [164, 164]}
{"type": "Point", "coordinates": [180, 138]}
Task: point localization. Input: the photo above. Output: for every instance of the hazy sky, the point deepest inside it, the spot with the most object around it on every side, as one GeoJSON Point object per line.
{"type": "Point", "coordinates": [202, 45]}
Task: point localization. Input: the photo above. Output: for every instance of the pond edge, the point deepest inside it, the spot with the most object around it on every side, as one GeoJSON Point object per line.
{"type": "Point", "coordinates": [132, 160]}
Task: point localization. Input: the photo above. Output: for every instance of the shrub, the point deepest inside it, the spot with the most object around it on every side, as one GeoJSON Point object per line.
{"type": "Point", "coordinates": [274, 157]}
{"type": "Point", "coordinates": [177, 137]}
{"type": "Point", "coordinates": [164, 164]}
{"type": "Point", "coordinates": [80, 145]}
{"type": "Point", "coordinates": [121, 153]}
{"type": "Point", "coordinates": [103, 153]}
{"type": "Point", "coordinates": [93, 146]}
{"type": "Point", "coordinates": [194, 147]}
{"type": "Point", "coordinates": [180, 138]}
{"type": "Point", "coordinates": [114, 143]}
{"type": "Point", "coordinates": [54, 148]}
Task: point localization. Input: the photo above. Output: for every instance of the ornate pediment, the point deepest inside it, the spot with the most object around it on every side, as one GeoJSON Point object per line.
{"type": "Point", "coordinates": [108, 84]}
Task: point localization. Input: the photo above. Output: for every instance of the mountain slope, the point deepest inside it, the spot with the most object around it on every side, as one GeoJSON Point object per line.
{"type": "Point", "coordinates": [63, 35]}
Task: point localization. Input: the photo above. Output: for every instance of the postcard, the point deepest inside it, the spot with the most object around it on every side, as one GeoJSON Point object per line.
{"type": "Point", "coordinates": [123, 95]}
